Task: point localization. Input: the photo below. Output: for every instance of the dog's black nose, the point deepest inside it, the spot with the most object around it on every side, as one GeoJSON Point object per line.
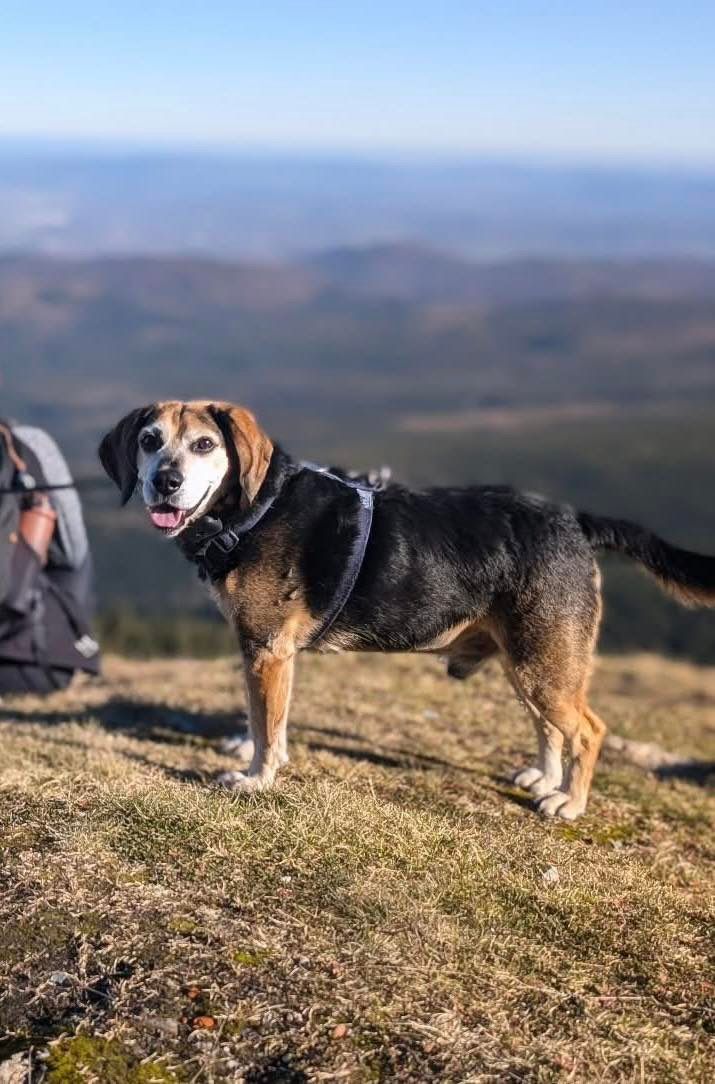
{"type": "Point", "coordinates": [167, 481]}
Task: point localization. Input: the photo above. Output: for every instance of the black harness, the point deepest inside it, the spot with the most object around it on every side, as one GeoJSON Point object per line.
{"type": "Point", "coordinates": [211, 542]}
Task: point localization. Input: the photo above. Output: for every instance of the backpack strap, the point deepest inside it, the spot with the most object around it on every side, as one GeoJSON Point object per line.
{"type": "Point", "coordinates": [15, 458]}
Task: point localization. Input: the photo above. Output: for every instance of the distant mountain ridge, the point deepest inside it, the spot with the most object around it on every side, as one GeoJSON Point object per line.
{"type": "Point", "coordinates": [406, 273]}
{"type": "Point", "coordinates": [417, 273]}
{"type": "Point", "coordinates": [70, 200]}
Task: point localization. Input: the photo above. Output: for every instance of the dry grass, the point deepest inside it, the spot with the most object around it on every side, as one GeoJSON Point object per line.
{"type": "Point", "coordinates": [389, 912]}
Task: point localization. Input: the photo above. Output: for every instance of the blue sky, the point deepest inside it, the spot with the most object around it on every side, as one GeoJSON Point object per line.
{"type": "Point", "coordinates": [607, 80]}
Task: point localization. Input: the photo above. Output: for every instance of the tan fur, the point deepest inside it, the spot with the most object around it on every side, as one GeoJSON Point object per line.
{"type": "Point", "coordinates": [265, 600]}
{"type": "Point", "coordinates": [269, 682]}
{"type": "Point", "coordinates": [253, 447]}
{"type": "Point", "coordinates": [271, 636]}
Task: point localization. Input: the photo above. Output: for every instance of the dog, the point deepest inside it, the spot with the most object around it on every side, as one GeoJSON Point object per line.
{"type": "Point", "coordinates": [301, 558]}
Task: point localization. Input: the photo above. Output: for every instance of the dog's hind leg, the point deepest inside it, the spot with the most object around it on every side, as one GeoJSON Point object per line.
{"type": "Point", "coordinates": [546, 775]}
{"type": "Point", "coordinates": [547, 656]}
{"type": "Point", "coordinates": [560, 715]}
{"type": "Point", "coordinates": [585, 733]}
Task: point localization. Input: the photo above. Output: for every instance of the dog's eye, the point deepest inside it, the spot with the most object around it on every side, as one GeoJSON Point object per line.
{"type": "Point", "coordinates": [202, 445]}
{"type": "Point", "coordinates": [150, 442]}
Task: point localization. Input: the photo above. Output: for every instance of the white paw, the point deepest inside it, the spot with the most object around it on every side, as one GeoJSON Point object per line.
{"type": "Point", "coordinates": [544, 786]}
{"type": "Point", "coordinates": [526, 777]}
{"type": "Point", "coordinates": [242, 783]}
{"type": "Point", "coordinates": [559, 804]}
{"type": "Point", "coordinates": [571, 810]}
{"type": "Point", "coordinates": [549, 805]}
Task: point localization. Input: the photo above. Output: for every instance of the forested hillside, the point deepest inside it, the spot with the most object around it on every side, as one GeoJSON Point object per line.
{"type": "Point", "coordinates": [591, 381]}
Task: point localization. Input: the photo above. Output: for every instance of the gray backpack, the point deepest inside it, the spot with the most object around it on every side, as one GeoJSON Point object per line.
{"type": "Point", "coordinates": [44, 612]}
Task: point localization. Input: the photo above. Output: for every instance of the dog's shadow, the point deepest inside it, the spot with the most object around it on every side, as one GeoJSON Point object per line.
{"type": "Point", "coordinates": [330, 740]}
{"type": "Point", "coordinates": [151, 721]}
{"type": "Point", "coordinates": [701, 772]}
{"type": "Point", "coordinates": [140, 719]}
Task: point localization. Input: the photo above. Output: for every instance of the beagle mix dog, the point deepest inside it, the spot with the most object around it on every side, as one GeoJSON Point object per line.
{"type": "Point", "coordinates": [300, 558]}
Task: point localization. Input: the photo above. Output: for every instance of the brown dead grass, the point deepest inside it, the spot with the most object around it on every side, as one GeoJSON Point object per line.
{"type": "Point", "coordinates": [389, 912]}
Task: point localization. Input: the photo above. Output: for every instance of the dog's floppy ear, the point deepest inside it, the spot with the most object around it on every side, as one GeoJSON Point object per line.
{"type": "Point", "coordinates": [246, 443]}
{"type": "Point", "coordinates": [118, 450]}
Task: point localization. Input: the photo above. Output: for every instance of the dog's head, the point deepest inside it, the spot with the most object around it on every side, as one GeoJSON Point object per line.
{"type": "Point", "coordinates": [186, 456]}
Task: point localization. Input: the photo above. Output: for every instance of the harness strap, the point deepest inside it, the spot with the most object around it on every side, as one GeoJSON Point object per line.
{"type": "Point", "coordinates": [352, 569]}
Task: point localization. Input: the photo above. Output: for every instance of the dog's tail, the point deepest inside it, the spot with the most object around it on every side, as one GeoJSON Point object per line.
{"type": "Point", "coordinates": [689, 576]}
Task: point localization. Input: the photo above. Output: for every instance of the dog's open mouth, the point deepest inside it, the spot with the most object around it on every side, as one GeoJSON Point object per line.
{"type": "Point", "coordinates": [167, 518]}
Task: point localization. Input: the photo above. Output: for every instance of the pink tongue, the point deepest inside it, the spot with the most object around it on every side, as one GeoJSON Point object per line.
{"type": "Point", "coordinates": [166, 520]}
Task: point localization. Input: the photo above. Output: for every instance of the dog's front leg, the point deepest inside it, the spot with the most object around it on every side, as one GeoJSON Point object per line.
{"type": "Point", "coordinates": [269, 679]}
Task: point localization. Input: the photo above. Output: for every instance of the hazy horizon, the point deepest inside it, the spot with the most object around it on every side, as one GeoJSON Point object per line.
{"type": "Point", "coordinates": [81, 199]}
{"type": "Point", "coordinates": [116, 146]}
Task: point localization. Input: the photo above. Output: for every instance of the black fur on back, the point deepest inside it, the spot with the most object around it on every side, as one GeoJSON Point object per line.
{"type": "Point", "coordinates": [444, 556]}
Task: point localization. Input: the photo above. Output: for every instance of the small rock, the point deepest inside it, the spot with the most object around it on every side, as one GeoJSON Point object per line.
{"type": "Point", "coordinates": [550, 876]}
{"type": "Point", "coordinates": [14, 1070]}
{"type": "Point", "coordinates": [430, 713]}
{"type": "Point", "coordinates": [60, 978]}
{"type": "Point", "coordinates": [340, 1031]}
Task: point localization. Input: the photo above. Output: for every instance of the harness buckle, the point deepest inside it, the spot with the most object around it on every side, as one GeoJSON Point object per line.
{"type": "Point", "coordinates": [226, 541]}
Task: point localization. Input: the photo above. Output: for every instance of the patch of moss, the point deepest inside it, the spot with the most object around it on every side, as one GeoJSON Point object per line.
{"type": "Point", "coordinates": [615, 833]}
{"type": "Point", "coordinates": [185, 926]}
{"type": "Point", "coordinates": [90, 924]}
{"type": "Point", "coordinates": [44, 933]}
{"type": "Point", "coordinates": [608, 833]}
{"type": "Point", "coordinates": [570, 832]}
{"type": "Point", "coordinates": [26, 837]}
{"type": "Point", "coordinates": [234, 1027]}
{"type": "Point", "coordinates": [84, 1058]}
{"type": "Point", "coordinates": [252, 958]}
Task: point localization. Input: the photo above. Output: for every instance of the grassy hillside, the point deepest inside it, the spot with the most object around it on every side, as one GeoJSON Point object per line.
{"type": "Point", "coordinates": [392, 911]}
